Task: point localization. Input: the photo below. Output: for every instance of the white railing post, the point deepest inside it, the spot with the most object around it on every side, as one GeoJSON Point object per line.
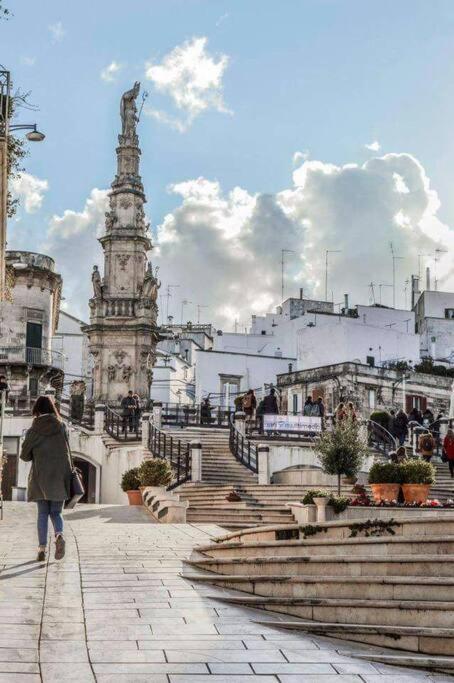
{"type": "Point", "coordinates": [157, 415]}
{"type": "Point", "coordinates": [240, 422]}
{"type": "Point", "coordinates": [263, 464]}
{"type": "Point", "coordinates": [196, 460]}
{"type": "Point", "coordinates": [99, 417]}
{"type": "Point", "coordinates": [145, 429]}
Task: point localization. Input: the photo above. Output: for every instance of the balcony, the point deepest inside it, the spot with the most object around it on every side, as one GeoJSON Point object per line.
{"type": "Point", "coordinates": [23, 355]}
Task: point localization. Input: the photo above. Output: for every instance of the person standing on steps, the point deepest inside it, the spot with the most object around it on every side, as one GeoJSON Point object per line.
{"type": "Point", "coordinates": [448, 447]}
{"type": "Point", "coordinates": [46, 447]}
{"type": "Point", "coordinates": [426, 444]}
{"type": "Point", "coordinates": [249, 405]}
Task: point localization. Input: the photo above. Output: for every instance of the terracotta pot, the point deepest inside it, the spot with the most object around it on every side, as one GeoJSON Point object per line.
{"type": "Point", "coordinates": [385, 492]}
{"type": "Point", "coordinates": [134, 497]}
{"type": "Point", "coordinates": [416, 493]}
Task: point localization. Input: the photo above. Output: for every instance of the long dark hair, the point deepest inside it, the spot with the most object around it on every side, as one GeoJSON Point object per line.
{"type": "Point", "coordinates": [44, 405]}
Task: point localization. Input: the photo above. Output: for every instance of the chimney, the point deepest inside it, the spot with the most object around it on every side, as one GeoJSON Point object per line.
{"type": "Point", "coordinates": [428, 278]}
{"type": "Point", "coordinates": [301, 293]}
{"type": "Point", "coordinates": [346, 303]}
{"type": "Point", "coordinates": [414, 290]}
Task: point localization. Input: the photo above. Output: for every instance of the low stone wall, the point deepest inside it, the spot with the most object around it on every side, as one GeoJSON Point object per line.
{"type": "Point", "coordinates": [307, 514]}
{"type": "Point", "coordinates": [290, 464]}
{"type": "Point", "coordinates": [165, 506]}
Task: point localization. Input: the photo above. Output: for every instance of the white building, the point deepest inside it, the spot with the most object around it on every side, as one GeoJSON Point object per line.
{"type": "Point", "coordinates": [173, 379]}
{"type": "Point", "coordinates": [72, 343]}
{"type": "Point", "coordinates": [435, 325]}
{"type": "Point", "coordinates": [223, 375]}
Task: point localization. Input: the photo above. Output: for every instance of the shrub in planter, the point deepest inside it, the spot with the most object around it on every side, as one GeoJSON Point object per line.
{"type": "Point", "coordinates": [130, 484]}
{"type": "Point", "coordinates": [385, 479]}
{"type": "Point", "coordinates": [342, 450]}
{"type": "Point", "coordinates": [339, 503]}
{"type": "Point", "coordinates": [309, 496]}
{"type": "Point", "coordinates": [417, 478]}
{"type": "Point", "coordinates": [155, 472]}
{"type": "Point", "coordinates": [381, 417]}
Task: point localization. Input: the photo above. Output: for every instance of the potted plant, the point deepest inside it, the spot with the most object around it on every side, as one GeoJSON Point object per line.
{"type": "Point", "coordinates": [155, 474]}
{"type": "Point", "coordinates": [417, 478]}
{"type": "Point", "coordinates": [342, 450]}
{"type": "Point", "coordinates": [130, 484]}
{"type": "Point", "coordinates": [384, 480]}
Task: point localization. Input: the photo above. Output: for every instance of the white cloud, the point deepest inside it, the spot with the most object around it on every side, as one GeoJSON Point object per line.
{"type": "Point", "coordinates": [72, 241]}
{"type": "Point", "coordinates": [28, 61]}
{"type": "Point", "coordinates": [373, 146]}
{"type": "Point", "coordinates": [30, 190]}
{"type": "Point", "coordinates": [192, 78]}
{"type": "Point", "coordinates": [222, 18]}
{"type": "Point", "coordinates": [298, 157]}
{"type": "Point", "coordinates": [110, 72]}
{"type": "Point", "coordinates": [57, 32]}
{"type": "Point", "coordinates": [226, 247]}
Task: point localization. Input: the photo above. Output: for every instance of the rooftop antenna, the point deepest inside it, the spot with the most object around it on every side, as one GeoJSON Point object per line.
{"type": "Point", "coordinates": [395, 258]}
{"type": "Point", "coordinates": [380, 286]}
{"type": "Point", "coordinates": [372, 292]}
{"type": "Point", "coordinates": [184, 303]}
{"type": "Point", "coordinates": [167, 296]}
{"type": "Point", "coordinates": [283, 254]}
{"type": "Point", "coordinates": [407, 282]}
{"type": "Point", "coordinates": [327, 252]}
{"type": "Point", "coordinates": [436, 259]}
{"type": "Point", "coordinates": [199, 307]}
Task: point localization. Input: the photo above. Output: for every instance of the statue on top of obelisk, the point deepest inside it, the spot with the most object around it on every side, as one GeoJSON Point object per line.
{"type": "Point", "coordinates": [128, 112]}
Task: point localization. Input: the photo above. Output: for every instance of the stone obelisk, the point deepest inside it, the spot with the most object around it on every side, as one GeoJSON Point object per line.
{"type": "Point", "coordinates": [123, 332]}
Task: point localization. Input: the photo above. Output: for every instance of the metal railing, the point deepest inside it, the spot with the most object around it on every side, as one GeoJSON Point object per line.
{"type": "Point", "coordinates": [177, 453]}
{"type": "Point", "coordinates": [183, 415]}
{"type": "Point", "coordinates": [30, 356]}
{"type": "Point", "coordinates": [438, 429]}
{"type": "Point", "coordinates": [379, 438]}
{"type": "Point", "coordinates": [80, 413]}
{"type": "Point", "coordinates": [123, 426]}
{"type": "Point", "coordinates": [242, 449]}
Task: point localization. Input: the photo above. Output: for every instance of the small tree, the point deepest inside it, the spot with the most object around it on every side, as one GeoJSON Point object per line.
{"type": "Point", "coordinates": [341, 452]}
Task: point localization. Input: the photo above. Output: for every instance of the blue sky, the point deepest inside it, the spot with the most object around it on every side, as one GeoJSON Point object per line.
{"type": "Point", "coordinates": [322, 76]}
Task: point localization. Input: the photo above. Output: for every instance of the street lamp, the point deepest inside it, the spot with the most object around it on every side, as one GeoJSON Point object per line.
{"type": "Point", "coordinates": [33, 135]}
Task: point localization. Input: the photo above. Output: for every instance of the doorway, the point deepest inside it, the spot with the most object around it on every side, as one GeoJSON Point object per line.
{"type": "Point", "coordinates": [8, 476]}
{"type": "Point", "coordinates": [34, 342]}
{"type": "Point", "coordinates": [88, 472]}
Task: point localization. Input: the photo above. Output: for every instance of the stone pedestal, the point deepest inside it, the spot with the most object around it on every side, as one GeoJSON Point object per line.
{"type": "Point", "coordinates": [263, 463]}
{"type": "Point", "coordinates": [196, 460]}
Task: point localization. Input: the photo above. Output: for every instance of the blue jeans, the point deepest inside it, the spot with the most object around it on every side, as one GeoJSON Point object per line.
{"type": "Point", "coordinates": [46, 509]}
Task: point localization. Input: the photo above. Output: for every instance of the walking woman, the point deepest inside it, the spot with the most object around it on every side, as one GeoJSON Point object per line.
{"type": "Point", "coordinates": [46, 446]}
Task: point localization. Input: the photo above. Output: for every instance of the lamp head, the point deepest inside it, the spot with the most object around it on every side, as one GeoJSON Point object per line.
{"type": "Point", "coordinates": [35, 136]}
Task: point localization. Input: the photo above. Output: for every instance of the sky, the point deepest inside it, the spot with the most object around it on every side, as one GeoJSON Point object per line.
{"type": "Point", "coordinates": [304, 125]}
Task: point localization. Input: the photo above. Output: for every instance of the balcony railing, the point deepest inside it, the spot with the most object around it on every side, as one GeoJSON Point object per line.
{"type": "Point", "coordinates": [27, 355]}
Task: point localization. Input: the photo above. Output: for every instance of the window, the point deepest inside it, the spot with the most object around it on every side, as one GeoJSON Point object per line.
{"type": "Point", "coordinates": [449, 313]}
{"type": "Point", "coordinates": [295, 404]}
{"type": "Point", "coordinates": [371, 397]}
{"type": "Point", "coordinates": [418, 402]}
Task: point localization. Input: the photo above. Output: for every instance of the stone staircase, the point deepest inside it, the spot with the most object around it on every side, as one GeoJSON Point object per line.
{"type": "Point", "coordinates": [394, 591]}
{"type": "Point", "coordinates": [444, 485]}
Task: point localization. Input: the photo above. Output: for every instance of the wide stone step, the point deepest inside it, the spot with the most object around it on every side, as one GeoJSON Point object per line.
{"type": "Point", "coordinates": [418, 639]}
{"type": "Point", "coordinates": [329, 565]}
{"type": "Point", "coordinates": [353, 611]}
{"type": "Point", "coordinates": [383, 546]}
{"type": "Point", "coordinates": [346, 587]}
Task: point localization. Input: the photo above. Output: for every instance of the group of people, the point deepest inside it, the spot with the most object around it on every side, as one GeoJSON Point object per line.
{"type": "Point", "coordinates": [314, 408]}
{"type": "Point", "coordinates": [345, 411]}
{"type": "Point", "coordinates": [131, 410]}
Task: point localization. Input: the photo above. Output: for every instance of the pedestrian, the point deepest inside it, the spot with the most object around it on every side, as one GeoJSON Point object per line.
{"type": "Point", "coordinates": [448, 448]}
{"type": "Point", "coordinates": [46, 447]}
{"type": "Point", "coordinates": [400, 427]}
{"type": "Point", "coordinates": [427, 418]}
{"type": "Point", "coordinates": [426, 444]}
{"type": "Point", "coordinates": [415, 416]}
{"type": "Point", "coordinates": [205, 411]}
{"type": "Point", "coordinates": [249, 406]}
{"type": "Point", "coordinates": [307, 409]}
{"type": "Point", "coordinates": [137, 411]}
{"type": "Point", "coordinates": [4, 386]}
{"type": "Point", "coordinates": [399, 455]}
{"type": "Point", "coordinates": [270, 406]}
{"type": "Point", "coordinates": [340, 413]}
{"type": "Point", "coordinates": [351, 412]}
{"type": "Point", "coordinates": [436, 427]}
{"type": "Point", "coordinates": [321, 407]}
{"type": "Point", "coordinates": [128, 406]}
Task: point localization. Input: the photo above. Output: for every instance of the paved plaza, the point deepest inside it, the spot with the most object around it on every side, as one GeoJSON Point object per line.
{"type": "Point", "coordinates": [117, 610]}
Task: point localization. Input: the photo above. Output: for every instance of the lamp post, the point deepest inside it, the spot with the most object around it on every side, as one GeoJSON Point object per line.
{"type": "Point", "coordinates": [34, 135]}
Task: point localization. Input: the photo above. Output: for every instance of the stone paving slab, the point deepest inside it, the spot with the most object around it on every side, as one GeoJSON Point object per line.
{"type": "Point", "coordinates": [116, 610]}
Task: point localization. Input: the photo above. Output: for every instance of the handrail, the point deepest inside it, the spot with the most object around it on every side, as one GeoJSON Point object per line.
{"type": "Point", "coordinates": [185, 414]}
{"type": "Point", "coordinates": [242, 449]}
{"type": "Point", "coordinates": [122, 426]}
{"type": "Point", "coordinates": [177, 453]}
{"type": "Point", "coordinates": [384, 441]}
{"type": "Point", "coordinates": [87, 418]}
{"type": "Point", "coordinates": [32, 356]}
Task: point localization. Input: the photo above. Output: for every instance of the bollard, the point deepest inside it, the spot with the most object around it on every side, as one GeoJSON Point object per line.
{"type": "Point", "coordinates": [145, 429]}
{"type": "Point", "coordinates": [157, 414]}
{"type": "Point", "coordinates": [100, 409]}
{"type": "Point", "coordinates": [196, 460]}
{"type": "Point", "coordinates": [263, 463]}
